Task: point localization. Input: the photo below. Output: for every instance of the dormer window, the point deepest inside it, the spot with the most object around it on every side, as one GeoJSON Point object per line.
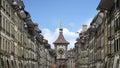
{"type": "Point", "coordinates": [14, 3]}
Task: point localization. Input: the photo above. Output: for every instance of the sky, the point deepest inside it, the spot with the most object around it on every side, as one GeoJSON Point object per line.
{"type": "Point", "coordinates": [73, 13]}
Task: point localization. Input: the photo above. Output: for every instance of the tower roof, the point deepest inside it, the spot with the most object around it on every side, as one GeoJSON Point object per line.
{"type": "Point", "coordinates": [61, 39]}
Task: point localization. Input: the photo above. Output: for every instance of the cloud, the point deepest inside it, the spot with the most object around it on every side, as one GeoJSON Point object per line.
{"type": "Point", "coordinates": [79, 30]}
{"type": "Point", "coordinates": [71, 24]}
{"type": "Point", "coordinates": [51, 36]}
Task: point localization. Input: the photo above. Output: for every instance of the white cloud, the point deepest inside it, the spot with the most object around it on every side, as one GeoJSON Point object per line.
{"type": "Point", "coordinates": [71, 24]}
{"type": "Point", "coordinates": [79, 30]}
{"type": "Point", "coordinates": [51, 36]}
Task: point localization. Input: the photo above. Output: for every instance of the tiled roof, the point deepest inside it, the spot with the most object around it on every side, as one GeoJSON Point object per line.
{"type": "Point", "coordinates": [61, 39]}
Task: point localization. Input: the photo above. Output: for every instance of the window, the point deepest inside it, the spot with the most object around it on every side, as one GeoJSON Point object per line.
{"type": "Point", "coordinates": [6, 28]}
{"type": "Point", "coordinates": [0, 42]}
{"type": "Point", "coordinates": [118, 4]}
{"type": "Point", "coordinates": [3, 4]}
{"type": "Point", "coordinates": [108, 50]}
{"type": "Point", "coordinates": [112, 47]}
{"type": "Point", "coordinates": [117, 45]}
{"type": "Point", "coordinates": [5, 48]}
{"type": "Point", "coordinates": [117, 24]}
{"type": "Point", "coordinates": [9, 49]}
{"type": "Point", "coordinates": [0, 21]}
{"type": "Point", "coordinates": [4, 25]}
{"type": "Point", "coordinates": [108, 30]}
{"type": "Point", "coordinates": [2, 47]}
{"type": "Point", "coordinates": [102, 41]}
{"type": "Point", "coordinates": [9, 27]}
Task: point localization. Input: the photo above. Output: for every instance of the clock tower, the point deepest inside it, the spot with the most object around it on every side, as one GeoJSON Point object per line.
{"type": "Point", "coordinates": [61, 48]}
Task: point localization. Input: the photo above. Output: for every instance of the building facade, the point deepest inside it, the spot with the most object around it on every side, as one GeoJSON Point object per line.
{"type": "Point", "coordinates": [102, 37]}
{"type": "Point", "coordinates": [81, 49]}
{"type": "Point", "coordinates": [70, 61]}
{"type": "Point", "coordinates": [21, 42]}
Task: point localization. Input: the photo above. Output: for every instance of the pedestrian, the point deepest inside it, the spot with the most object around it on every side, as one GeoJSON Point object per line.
{"type": "Point", "coordinates": [54, 66]}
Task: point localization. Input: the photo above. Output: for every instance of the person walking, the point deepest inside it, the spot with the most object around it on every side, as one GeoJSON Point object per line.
{"type": "Point", "coordinates": [55, 66]}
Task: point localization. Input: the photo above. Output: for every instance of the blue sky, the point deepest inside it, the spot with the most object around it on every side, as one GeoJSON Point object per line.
{"type": "Point", "coordinates": [73, 13]}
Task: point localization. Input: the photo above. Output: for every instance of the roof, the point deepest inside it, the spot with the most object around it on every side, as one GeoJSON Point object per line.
{"type": "Point", "coordinates": [105, 4]}
{"type": "Point", "coordinates": [61, 39]}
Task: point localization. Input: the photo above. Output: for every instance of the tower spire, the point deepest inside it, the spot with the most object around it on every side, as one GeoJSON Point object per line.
{"type": "Point", "coordinates": [60, 29]}
{"type": "Point", "coordinates": [60, 24]}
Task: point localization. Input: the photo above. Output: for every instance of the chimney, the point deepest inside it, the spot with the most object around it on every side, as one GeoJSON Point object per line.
{"type": "Point", "coordinates": [84, 28]}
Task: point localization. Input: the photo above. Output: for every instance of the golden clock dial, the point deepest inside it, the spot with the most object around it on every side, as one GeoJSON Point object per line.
{"type": "Point", "coordinates": [61, 51]}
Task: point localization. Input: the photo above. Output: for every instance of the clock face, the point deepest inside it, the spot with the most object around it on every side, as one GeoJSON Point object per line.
{"type": "Point", "coordinates": [61, 51]}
